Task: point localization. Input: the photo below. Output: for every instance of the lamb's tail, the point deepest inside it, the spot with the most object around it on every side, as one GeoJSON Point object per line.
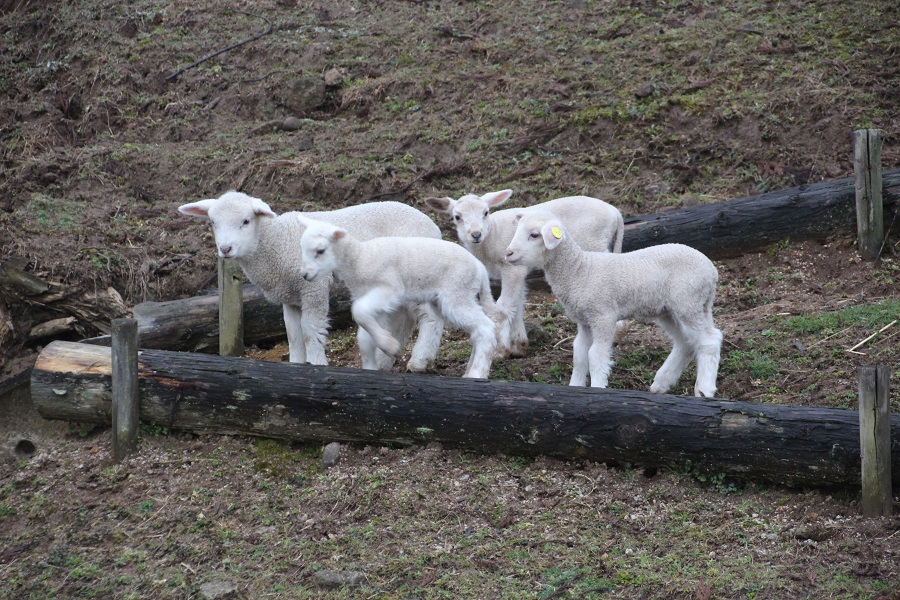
{"type": "Point", "coordinates": [620, 235]}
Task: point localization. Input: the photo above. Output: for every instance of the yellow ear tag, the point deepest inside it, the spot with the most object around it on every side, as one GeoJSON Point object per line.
{"type": "Point", "coordinates": [557, 233]}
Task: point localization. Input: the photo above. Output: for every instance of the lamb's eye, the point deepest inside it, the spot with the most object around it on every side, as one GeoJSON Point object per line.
{"type": "Point", "coordinates": [486, 213]}
{"type": "Point", "coordinates": [534, 236]}
{"type": "Point", "coordinates": [456, 217]}
{"type": "Point", "coordinates": [320, 251]}
{"type": "Point", "coordinates": [246, 221]}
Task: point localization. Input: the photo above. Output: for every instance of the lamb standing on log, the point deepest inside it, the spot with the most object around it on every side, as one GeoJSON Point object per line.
{"type": "Point", "coordinates": [386, 274]}
{"type": "Point", "coordinates": [265, 245]}
{"type": "Point", "coordinates": [671, 284]}
{"type": "Point", "coordinates": [596, 225]}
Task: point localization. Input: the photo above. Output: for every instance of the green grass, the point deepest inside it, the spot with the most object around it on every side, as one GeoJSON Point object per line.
{"type": "Point", "coordinates": [50, 214]}
{"type": "Point", "coordinates": [759, 364]}
{"type": "Point", "coordinates": [872, 316]}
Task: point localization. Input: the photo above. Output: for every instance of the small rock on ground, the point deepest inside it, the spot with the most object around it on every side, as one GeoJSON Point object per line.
{"type": "Point", "coordinates": [218, 588]}
{"type": "Point", "coordinates": [331, 455]}
{"type": "Point", "coordinates": [336, 579]}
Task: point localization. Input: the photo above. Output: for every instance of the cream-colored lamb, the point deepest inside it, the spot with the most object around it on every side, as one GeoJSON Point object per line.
{"type": "Point", "coordinates": [595, 224]}
{"type": "Point", "coordinates": [386, 274]}
{"type": "Point", "coordinates": [671, 284]}
{"type": "Point", "coordinates": [266, 246]}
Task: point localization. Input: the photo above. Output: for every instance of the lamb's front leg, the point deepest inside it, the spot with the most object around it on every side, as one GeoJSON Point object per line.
{"type": "Point", "coordinates": [372, 358]}
{"type": "Point", "coordinates": [600, 352]}
{"type": "Point", "coordinates": [513, 338]}
{"type": "Point", "coordinates": [399, 324]}
{"type": "Point", "coordinates": [313, 320]}
{"type": "Point", "coordinates": [294, 330]}
{"type": "Point", "coordinates": [580, 349]}
{"type": "Point", "coordinates": [366, 311]}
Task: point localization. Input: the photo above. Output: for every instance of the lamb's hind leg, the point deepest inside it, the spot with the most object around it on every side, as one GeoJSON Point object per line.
{"type": "Point", "coordinates": [366, 311]}
{"type": "Point", "coordinates": [471, 317]}
{"type": "Point", "coordinates": [681, 354]}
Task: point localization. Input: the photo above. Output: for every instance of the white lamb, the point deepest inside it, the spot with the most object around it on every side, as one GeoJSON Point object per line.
{"type": "Point", "coordinates": [266, 246]}
{"type": "Point", "coordinates": [671, 284]}
{"type": "Point", "coordinates": [385, 274]}
{"type": "Point", "coordinates": [594, 223]}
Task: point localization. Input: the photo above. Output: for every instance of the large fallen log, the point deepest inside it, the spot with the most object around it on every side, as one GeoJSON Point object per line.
{"type": "Point", "coordinates": [206, 393]}
{"type": "Point", "coordinates": [816, 211]}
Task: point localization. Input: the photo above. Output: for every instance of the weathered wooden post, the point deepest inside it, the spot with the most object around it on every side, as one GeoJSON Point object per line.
{"type": "Point", "coordinates": [869, 204]}
{"type": "Point", "coordinates": [231, 309]}
{"type": "Point", "coordinates": [125, 392]}
{"type": "Point", "coordinates": [875, 440]}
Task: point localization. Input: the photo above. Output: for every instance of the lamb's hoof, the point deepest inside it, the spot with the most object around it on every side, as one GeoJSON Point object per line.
{"type": "Point", "coordinates": [518, 350]}
{"type": "Point", "coordinates": [417, 366]}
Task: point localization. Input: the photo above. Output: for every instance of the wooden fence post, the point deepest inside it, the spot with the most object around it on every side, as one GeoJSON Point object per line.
{"type": "Point", "coordinates": [869, 203]}
{"type": "Point", "coordinates": [125, 393]}
{"type": "Point", "coordinates": [875, 440]}
{"type": "Point", "coordinates": [231, 309]}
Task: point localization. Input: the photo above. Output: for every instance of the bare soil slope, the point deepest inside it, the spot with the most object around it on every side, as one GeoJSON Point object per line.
{"type": "Point", "coordinates": [646, 104]}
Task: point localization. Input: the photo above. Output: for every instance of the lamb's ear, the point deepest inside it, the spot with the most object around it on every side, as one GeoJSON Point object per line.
{"type": "Point", "coordinates": [444, 204]}
{"type": "Point", "coordinates": [305, 221]}
{"type": "Point", "coordinates": [495, 199]}
{"type": "Point", "coordinates": [552, 233]}
{"type": "Point", "coordinates": [261, 208]}
{"type": "Point", "coordinates": [197, 209]}
{"type": "Point", "coordinates": [338, 234]}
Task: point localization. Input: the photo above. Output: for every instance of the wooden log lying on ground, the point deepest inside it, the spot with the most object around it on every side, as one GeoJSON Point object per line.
{"type": "Point", "coordinates": [205, 393]}
{"type": "Point", "coordinates": [816, 211]}
{"type": "Point", "coordinates": [192, 324]}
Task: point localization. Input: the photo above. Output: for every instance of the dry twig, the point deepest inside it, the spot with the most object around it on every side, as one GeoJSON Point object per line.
{"type": "Point", "coordinates": [223, 50]}
{"type": "Point", "coordinates": [886, 327]}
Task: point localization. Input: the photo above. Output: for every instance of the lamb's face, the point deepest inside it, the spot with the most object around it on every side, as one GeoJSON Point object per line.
{"type": "Point", "coordinates": [235, 231]}
{"type": "Point", "coordinates": [529, 242]}
{"type": "Point", "coordinates": [470, 213]}
{"type": "Point", "coordinates": [317, 250]}
{"type": "Point", "coordinates": [234, 218]}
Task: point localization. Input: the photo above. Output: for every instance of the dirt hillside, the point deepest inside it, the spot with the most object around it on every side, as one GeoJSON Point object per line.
{"type": "Point", "coordinates": [106, 127]}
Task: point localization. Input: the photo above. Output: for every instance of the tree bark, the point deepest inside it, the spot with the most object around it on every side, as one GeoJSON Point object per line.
{"type": "Point", "coordinates": [726, 229]}
{"type": "Point", "coordinates": [207, 393]}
